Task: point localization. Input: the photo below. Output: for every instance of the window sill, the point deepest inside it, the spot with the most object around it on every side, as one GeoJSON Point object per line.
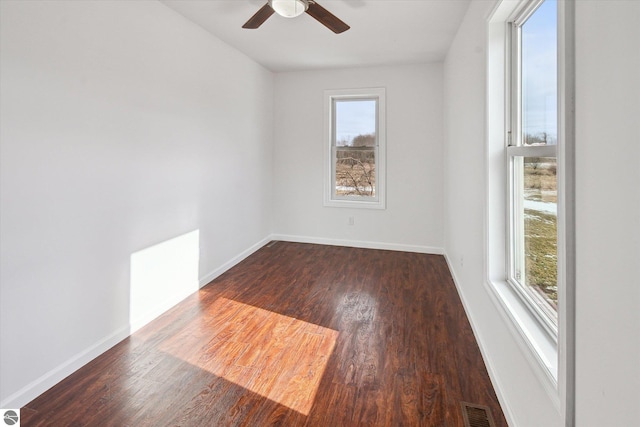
{"type": "Point", "coordinates": [538, 345]}
{"type": "Point", "coordinates": [361, 204]}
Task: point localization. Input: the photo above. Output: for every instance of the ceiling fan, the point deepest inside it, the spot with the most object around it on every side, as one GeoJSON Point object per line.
{"type": "Point", "coordinates": [293, 8]}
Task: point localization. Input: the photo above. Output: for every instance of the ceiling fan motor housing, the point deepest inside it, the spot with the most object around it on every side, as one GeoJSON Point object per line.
{"type": "Point", "coordinates": [293, 8]}
{"type": "Point", "coordinates": [289, 8]}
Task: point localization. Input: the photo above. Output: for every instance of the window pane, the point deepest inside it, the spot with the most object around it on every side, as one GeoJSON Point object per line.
{"type": "Point", "coordinates": [539, 76]}
{"type": "Point", "coordinates": [355, 172]}
{"type": "Point", "coordinates": [355, 124]}
{"type": "Point", "coordinates": [537, 256]}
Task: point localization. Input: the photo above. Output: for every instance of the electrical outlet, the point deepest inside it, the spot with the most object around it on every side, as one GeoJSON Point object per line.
{"type": "Point", "coordinates": [352, 221]}
{"type": "Point", "coordinates": [461, 261]}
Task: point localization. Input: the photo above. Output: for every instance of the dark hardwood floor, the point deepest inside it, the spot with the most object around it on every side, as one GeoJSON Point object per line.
{"type": "Point", "coordinates": [296, 334]}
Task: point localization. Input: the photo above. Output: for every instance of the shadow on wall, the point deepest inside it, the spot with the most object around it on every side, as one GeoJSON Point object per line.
{"type": "Point", "coordinates": [161, 276]}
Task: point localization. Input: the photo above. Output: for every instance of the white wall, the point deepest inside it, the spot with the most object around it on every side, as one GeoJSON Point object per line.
{"type": "Point", "coordinates": [607, 213]}
{"type": "Point", "coordinates": [413, 218]}
{"type": "Point", "coordinates": [607, 222]}
{"type": "Point", "coordinates": [122, 126]}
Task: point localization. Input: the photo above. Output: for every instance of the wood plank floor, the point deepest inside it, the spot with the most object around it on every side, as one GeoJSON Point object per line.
{"type": "Point", "coordinates": [295, 335]}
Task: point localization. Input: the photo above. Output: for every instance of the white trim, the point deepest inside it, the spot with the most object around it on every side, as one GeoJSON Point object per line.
{"type": "Point", "coordinates": [525, 11]}
{"type": "Point", "coordinates": [495, 379]}
{"type": "Point", "coordinates": [38, 386]}
{"type": "Point", "coordinates": [379, 200]}
{"type": "Point", "coordinates": [57, 374]}
{"type": "Point", "coordinates": [360, 244]}
{"type": "Point", "coordinates": [532, 151]}
{"type": "Point", "coordinates": [523, 338]}
{"type": "Point", "coordinates": [172, 301]}
{"type": "Point", "coordinates": [566, 209]}
{"type": "Point", "coordinates": [155, 312]}
{"type": "Point", "coordinates": [533, 339]}
{"type": "Point", "coordinates": [207, 278]}
{"type": "Point", "coordinates": [516, 152]}
{"type": "Point", "coordinates": [54, 376]}
{"type": "Point", "coordinates": [530, 336]}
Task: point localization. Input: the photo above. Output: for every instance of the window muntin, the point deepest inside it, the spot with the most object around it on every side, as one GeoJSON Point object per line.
{"type": "Point", "coordinates": [531, 156]}
{"type": "Point", "coordinates": [355, 159]}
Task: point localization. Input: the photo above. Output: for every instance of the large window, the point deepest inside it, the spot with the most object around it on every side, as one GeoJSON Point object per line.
{"type": "Point", "coordinates": [531, 155]}
{"type": "Point", "coordinates": [530, 184]}
{"type": "Point", "coordinates": [355, 138]}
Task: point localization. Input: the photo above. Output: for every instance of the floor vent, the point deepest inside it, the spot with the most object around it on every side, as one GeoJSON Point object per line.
{"type": "Point", "coordinates": [272, 243]}
{"type": "Point", "coordinates": [476, 415]}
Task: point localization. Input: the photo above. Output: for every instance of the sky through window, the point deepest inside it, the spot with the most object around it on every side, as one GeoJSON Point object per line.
{"type": "Point", "coordinates": [539, 72]}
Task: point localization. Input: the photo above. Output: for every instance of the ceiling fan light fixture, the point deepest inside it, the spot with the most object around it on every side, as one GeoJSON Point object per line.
{"type": "Point", "coordinates": [289, 8]}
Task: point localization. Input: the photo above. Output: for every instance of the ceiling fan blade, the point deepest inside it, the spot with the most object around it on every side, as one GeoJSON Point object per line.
{"type": "Point", "coordinates": [326, 18]}
{"type": "Point", "coordinates": [260, 16]}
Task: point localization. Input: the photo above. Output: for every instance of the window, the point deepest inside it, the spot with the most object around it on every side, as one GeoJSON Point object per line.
{"type": "Point", "coordinates": [531, 153]}
{"type": "Point", "coordinates": [530, 68]}
{"type": "Point", "coordinates": [355, 148]}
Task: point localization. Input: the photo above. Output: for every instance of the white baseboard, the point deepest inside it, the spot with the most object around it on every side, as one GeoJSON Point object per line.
{"type": "Point", "coordinates": [207, 278]}
{"type": "Point", "coordinates": [359, 244]}
{"type": "Point", "coordinates": [54, 376]}
{"type": "Point", "coordinates": [155, 312]}
{"type": "Point", "coordinates": [497, 385]}
{"type": "Point", "coordinates": [51, 378]}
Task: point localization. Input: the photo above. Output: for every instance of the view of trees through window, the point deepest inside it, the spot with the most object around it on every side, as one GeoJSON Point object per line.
{"type": "Point", "coordinates": [355, 156]}
{"type": "Point", "coordinates": [356, 166]}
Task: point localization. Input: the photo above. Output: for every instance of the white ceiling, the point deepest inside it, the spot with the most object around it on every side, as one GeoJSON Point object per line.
{"type": "Point", "coordinates": [382, 32]}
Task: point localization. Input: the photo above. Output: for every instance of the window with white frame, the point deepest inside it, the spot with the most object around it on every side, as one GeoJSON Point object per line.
{"type": "Point", "coordinates": [531, 153]}
{"type": "Point", "coordinates": [355, 148]}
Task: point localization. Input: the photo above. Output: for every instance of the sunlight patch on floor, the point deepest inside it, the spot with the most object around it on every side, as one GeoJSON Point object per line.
{"type": "Point", "coordinates": [276, 356]}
